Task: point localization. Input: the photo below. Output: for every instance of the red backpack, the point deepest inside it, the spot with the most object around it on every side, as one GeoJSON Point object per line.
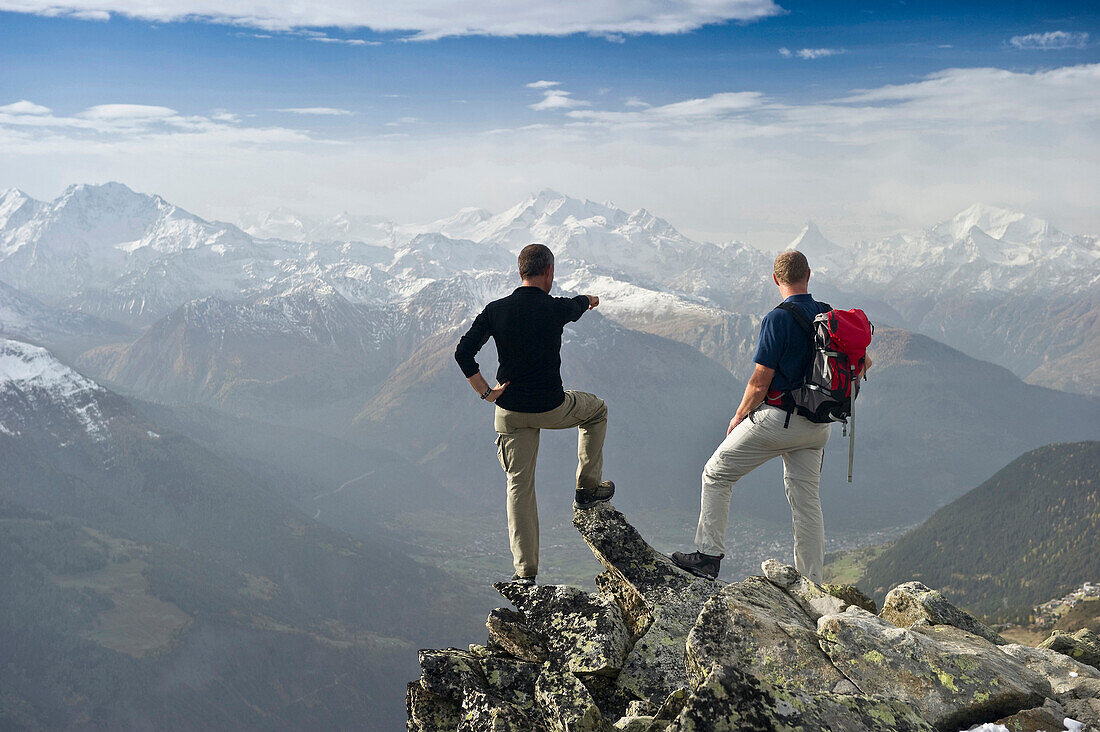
{"type": "Point", "coordinates": [839, 340]}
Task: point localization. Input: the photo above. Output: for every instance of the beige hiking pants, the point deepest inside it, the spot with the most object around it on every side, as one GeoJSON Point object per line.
{"type": "Point", "coordinates": [517, 450]}
{"type": "Point", "coordinates": [758, 439]}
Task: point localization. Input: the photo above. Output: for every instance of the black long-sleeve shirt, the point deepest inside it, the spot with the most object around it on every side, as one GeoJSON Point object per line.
{"type": "Point", "coordinates": [527, 327]}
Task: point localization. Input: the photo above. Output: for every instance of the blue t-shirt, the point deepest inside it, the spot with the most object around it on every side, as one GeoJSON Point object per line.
{"type": "Point", "coordinates": [784, 346]}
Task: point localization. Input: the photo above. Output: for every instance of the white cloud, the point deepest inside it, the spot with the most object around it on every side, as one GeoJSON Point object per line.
{"type": "Point", "coordinates": [702, 109]}
{"type": "Point", "coordinates": [24, 107]}
{"type": "Point", "coordinates": [814, 53]}
{"type": "Point", "coordinates": [543, 84]}
{"type": "Point", "coordinates": [100, 15]}
{"type": "Point", "coordinates": [321, 111]}
{"type": "Point", "coordinates": [1051, 41]}
{"type": "Point", "coordinates": [635, 102]}
{"type": "Point", "coordinates": [785, 52]}
{"type": "Point", "coordinates": [127, 112]}
{"type": "Point", "coordinates": [557, 99]}
{"type": "Point", "coordinates": [426, 19]}
{"type": "Point", "coordinates": [223, 115]}
{"type": "Point", "coordinates": [403, 122]}
{"type": "Point", "coordinates": [319, 37]}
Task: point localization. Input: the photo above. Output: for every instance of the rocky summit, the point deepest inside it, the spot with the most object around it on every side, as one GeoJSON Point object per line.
{"type": "Point", "coordinates": [659, 650]}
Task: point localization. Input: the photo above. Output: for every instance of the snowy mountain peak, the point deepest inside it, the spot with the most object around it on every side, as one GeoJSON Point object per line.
{"type": "Point", "coordinates": [30, 371]}
{"type": "Point", "coordinates": [16, 209]}
{"type": "Point", "coordinates": [999, 223]}
{"type": "Point", "coordinates": [811, 242]}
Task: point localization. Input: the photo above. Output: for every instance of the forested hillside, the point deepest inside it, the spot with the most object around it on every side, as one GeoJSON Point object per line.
{"type": "Point", "coordinates": [1027, 534]}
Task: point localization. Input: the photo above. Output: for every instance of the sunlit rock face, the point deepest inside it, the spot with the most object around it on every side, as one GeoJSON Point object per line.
{"type": "Point", "coordinates": [657, 649]}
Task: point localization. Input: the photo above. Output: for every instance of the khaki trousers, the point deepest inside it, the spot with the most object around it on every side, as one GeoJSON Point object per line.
{"type": "Point", "coordinates": [756, 440]}
{"type": "Point", "coordinates": [517, 450]}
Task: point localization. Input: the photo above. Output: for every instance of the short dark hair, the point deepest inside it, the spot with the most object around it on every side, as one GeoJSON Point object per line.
{"type": "Point", "coordinates": [534, 260]}
{"type": "Point", "coordinates": [791, 267]}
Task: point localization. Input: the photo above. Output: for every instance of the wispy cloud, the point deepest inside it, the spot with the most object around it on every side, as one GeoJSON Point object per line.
{"type": "Point", "coordinates": [128, 113]}
{"type": "Point", "coordinates": [811, 53]}
{"type": "Point", "coordinates": [120, 122]}
{"type": "Point", "coordinates": [543, 84]}
{"type": "Point", "coordinates": [704, 108]}
{"type": "Point", "coordinates": [425, 19]}
{"type": "Point", "coordinates": [309, 35]}
{"type": "Point", "coordinates": [553, 98]}
{"type": "Point", "coordinates": [1050, 41]}
{"type": "Point", "coordinates": [321, 111]}
{"type": "Point", "coordinates": [403, 122]}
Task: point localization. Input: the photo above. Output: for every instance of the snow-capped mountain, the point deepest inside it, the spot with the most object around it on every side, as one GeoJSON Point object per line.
{"type": "Point", "coordinates": [109, 251]}
{"type": "Point", "coordinates": [135, 258]}
{"type": "Point", "coordinates": [34, 385]}
{"type": "Point", "coordinates": [435, 256]}
{"type": "Point", "coordinates": [981, 249]}
{"type": "Point", "coordinates": [811, 242]}
{"type": "Point", "coordinates": [282, 223]}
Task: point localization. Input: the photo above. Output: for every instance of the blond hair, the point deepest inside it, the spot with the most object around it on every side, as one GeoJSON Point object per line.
{"type": "Point", "coordinates": [791, 267]}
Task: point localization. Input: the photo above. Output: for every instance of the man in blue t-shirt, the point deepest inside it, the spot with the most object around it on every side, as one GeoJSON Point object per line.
{"type": "Point", "coordinates": [759, 432]}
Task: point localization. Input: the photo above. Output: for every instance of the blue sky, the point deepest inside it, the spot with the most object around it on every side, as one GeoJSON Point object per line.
{"type": "Point", "coordinates": [733, 119]}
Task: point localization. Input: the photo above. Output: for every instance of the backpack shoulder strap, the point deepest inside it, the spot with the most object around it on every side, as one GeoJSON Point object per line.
{"type": "Point", "coordinates": [799, 317]}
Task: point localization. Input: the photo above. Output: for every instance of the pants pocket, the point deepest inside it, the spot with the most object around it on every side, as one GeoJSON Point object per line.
{"type": "Point", "coordinates": [501, 453]}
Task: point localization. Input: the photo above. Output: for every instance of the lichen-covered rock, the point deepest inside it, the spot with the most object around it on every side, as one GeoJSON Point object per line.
{"type": "Point", "coordinates": [758, 628]}
{"type": "Point", "coordinates": [851, 595]}
{"type": "Point", "coordinates": [450, 672]}
{"type": "Point", "coordinates": [1083, 646]}
{"type": "Point", "coordinates": [567, 704]}
{"type": "Point", "coordinates": [1046, 718]}
{"type": "Point", "coordinates": [428, 712]}
{"type": "Point", "coordinates": [640, 708]}
{"type": "Point", "coordinates": [483, 712]}
{"type": "Point", "coordinates": [1068, 679]}
{"type": "Point", "coordinates": [730, 700]}
{"type": "Point", "coordinates": [815, 599]}
{"type": "Point", "coordinates": [672, 600]}
{"type": "Point", "coordinates": [640, 723]}
{"type": "Point", "coordinates": [912, 602]}
{"type": "Point", "coordinates": [674, 704]}
{"type": "Point", "coordinates": [779, 574]}
{"type": "Point", "coordinates": [508, 630]}
{"type": "Point", "coordinates": [585, 633]}
{"type": "Point", "coordinates": [511, 680]}
{"type": "Point", "coordinates": [948, 676]}
{"type": "Point", "coordinates": [636, 613]}
{"type": "Point", "coordinates": [1085, 711]}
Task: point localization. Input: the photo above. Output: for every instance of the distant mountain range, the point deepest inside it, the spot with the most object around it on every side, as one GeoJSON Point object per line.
{"type": "Point", "coordinates": [349, 333]}
{"type": "Point", "coordinates": [1027, 534]}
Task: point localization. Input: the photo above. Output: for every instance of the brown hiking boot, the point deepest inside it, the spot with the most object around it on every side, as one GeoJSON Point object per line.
{"type": "Point", "coordinates": [699, 564]}
{"type": "Point", "coordinates": [589, 497]}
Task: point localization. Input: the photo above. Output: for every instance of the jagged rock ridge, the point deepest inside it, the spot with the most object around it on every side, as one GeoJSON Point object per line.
{"type": "Point", "coordinates": [656, 649]}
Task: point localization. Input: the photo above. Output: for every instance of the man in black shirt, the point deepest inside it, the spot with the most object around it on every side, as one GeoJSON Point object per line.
{"type": "Point", "coordinates": [527, 327]}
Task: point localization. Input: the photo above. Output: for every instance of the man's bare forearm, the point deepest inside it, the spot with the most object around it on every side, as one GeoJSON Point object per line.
{"type": "Point", "coordinates": [755, 392]}
{"type": "Point", "coordinates": [754, 395]}
{"type": "Point", "coordinates": [479, 383]}
{"type": "Point", "coordinates": [481, 386]}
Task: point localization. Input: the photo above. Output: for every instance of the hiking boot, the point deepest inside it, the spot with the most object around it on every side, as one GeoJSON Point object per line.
{"type": "Point", "coordinates": [699, 564]}
{"type": "Point", "coordinates": [523, 581]}
{"type": "Point", "coordinates": [589, 497]}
